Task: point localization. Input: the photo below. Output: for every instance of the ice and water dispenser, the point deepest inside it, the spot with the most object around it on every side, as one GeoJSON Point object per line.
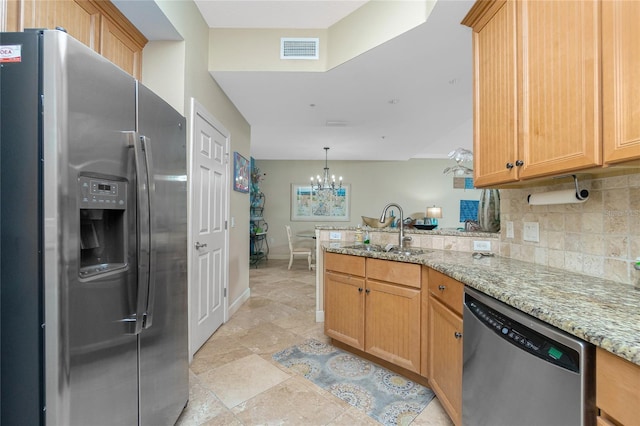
{"type": "Point", "coordinates": [103, 227]}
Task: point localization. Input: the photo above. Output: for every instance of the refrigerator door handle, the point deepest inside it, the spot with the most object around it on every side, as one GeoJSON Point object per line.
{"type": "Point", "coordinates": [151, 292]}
{"type": "Point", "coordinates": [143, 228]}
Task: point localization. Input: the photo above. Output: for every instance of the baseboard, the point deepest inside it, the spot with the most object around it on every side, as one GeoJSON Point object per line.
{"type": "Point", "coordinates": [233, 308]}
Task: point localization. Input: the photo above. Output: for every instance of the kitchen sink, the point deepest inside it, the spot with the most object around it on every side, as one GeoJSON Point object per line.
{"type": "Point", "coordinates": [367, 247]}
{"type": "Point", "coordinates": [405, 251]}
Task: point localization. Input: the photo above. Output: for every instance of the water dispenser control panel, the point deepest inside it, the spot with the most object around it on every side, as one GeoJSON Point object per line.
{"type": "Point", "coordinates": [102, 193]}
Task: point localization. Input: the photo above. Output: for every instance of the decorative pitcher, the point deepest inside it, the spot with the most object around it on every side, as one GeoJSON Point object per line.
{"type": "Point", "coordinates": [489, 210]}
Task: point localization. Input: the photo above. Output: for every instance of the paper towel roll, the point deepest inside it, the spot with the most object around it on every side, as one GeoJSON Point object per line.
{"type": "Point", "coordinates": [567, 196]}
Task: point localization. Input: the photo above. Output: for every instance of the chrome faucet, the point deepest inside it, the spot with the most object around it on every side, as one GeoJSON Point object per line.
{"type": "Point", "coordinates": [401, 237]}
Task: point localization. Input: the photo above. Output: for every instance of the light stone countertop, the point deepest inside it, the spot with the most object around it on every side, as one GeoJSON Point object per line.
{"type": "Point", "coordinates": [604, 313]}
{"type": "Point", "coordinates": [453, 232]}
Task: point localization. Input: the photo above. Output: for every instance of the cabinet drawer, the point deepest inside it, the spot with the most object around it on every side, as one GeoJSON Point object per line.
{"type": "Point", "coordinates": [617, 383]}
{"type": "Point", "coordinates": [395, 272]}
{"type": "Point", "coordinates": [344, 263]}
{"type": "Point", "coordinates": [447, 290]}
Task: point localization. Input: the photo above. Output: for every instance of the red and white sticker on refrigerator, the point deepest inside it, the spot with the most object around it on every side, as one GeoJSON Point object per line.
{"type": "Point", "coordinates": [11, 53]}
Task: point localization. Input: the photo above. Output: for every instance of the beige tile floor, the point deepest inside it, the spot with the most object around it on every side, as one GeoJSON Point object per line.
{"type": "Point", "coordinates": [234, 381]}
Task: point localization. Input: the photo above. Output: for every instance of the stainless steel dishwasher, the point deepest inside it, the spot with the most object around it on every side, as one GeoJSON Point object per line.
{"type": "Point", "coordinates": [519, 371]}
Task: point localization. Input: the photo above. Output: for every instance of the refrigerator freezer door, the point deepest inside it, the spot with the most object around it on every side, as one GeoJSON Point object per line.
{"type": "Point", "coordinates": [89, 105]}
{"type": "Point", "coordinates": [20, 277]}
{"type": "Point", "coordinates": [164, 387]}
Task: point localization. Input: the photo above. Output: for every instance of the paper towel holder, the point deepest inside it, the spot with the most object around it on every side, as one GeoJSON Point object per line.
{"type": "Point", "coordinates": [580, 195]}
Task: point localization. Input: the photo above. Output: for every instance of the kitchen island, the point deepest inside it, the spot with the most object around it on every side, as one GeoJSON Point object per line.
{"type": "Point", "coordinates": [604, 313]}
{"type": "Point", "coordinates": [414, 320]}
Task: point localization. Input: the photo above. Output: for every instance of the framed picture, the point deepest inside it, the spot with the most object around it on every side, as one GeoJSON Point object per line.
{"type": "Point", "coordinates": [311, 205]}
{"type": "Point", "coordinates": [241, 173]}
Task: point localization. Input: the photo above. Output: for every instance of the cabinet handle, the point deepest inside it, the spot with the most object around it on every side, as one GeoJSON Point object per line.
{"type": "Point", "coordinates": [457, 335]}
{"type": "Point", "coordinates": [509, 165]}
{"type": "Point", "coordinates": [519, 163]}
{"type": "Point", "coordinates": [367, 291]}
{"type": "Point", "coordinates": [442, 287]}
{"type": "Point", "coordinates": [359, 289]}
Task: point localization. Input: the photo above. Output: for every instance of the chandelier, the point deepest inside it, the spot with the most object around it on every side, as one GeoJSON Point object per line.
{"type": "Point", "coordinates": [325, 183]}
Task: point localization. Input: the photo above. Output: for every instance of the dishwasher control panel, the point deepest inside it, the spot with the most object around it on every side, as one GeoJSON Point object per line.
{"type": "Point", "coordinates": [524, 337]}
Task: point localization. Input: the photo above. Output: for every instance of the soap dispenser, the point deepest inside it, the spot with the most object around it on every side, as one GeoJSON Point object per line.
{"type": "Point", "coordinates": [358, 235]}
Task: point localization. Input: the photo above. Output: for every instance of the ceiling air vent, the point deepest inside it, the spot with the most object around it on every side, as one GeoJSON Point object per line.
{"type": "Point", "coordinates": [299, 48]}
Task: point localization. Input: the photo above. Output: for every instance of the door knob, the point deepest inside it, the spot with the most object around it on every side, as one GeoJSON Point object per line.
{"type": "Point", "coordinates": [457, 335]}
{"type": "Point", "coordinates": [199, 246]}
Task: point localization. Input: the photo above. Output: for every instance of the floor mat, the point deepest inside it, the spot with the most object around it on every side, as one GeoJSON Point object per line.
{"type": "Point", "coordinates": [385, 396]}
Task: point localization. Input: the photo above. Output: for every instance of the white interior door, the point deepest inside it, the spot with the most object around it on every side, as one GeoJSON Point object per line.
{"type": "Point", "coordinates": [208, 234]}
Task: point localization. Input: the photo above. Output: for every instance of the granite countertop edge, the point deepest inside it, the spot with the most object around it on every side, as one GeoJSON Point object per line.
{"type": "Point", "coordinates": [603, 312]}
{"type": "Point", "coordinates": [448, 232]}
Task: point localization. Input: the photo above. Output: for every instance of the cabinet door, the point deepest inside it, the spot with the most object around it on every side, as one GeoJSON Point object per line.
{"type": "Point", "coordinates": [344, 308]}
{"type": "Point", "coordinates": [445, 360]}
{"type": "Point", "coordinates": [393, 324]}
{"type": "Point", "coordinates": [80, 18]}
{"type": "Point", "coordinates": [447, 290]}
{"type": "Point", "coordinates": [495, 131]}
{"type": "Point", "coordinates": [617, 383]}
{"type": "Point", "coordinates": [620, 82]}
{"type": "Point", "coordinates": [559, 86]}
{"type": "Point", "coordinates": [424, 323]}
{"type": "Point", "coordinates": [97, 24]}
{"type": "Point", "coordinates": [118, 47]}
{"type": "Point", "coordinates": [350, 265]}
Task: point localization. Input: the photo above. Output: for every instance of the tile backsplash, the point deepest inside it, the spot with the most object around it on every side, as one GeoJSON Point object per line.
{"type": "Point", "coordinates": [600, 237]}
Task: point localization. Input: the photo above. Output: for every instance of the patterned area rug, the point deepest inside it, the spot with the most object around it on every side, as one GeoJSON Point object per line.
{"type": "Point", "coordinates": [384, 395]}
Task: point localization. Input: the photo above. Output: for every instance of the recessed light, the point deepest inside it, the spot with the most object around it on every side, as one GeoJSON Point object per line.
{"type": "Point", "coordinates": [336, 123]}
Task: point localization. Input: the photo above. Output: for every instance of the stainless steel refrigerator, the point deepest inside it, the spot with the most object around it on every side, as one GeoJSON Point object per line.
{"type": "Point", "coordinates": [93, 215]}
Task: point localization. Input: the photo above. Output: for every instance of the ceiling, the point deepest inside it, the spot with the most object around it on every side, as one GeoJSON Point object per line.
{"type": "Point", "coordinates": [407, 98]}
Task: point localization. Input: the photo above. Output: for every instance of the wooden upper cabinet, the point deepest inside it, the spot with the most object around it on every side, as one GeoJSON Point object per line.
{"type": "Point", "coordinates": [620, 82]}
{"type": "Point", "coordinates": [79, 18]}
{"type": "Point", "coordinates": [96, 23]}
{"type": "Point", "coordinates": [495, 114]}
{"type": "Point", "coordinates": [120, 48]}
{"type": "Point", "coordinates": [536, 88]}
{"type": "Point", "coordinates": [558, 86]}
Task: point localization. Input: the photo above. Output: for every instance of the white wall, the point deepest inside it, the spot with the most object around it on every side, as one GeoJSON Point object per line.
{"type": "Point", "coordinates": [414, 184]}
{"type": "Point", "coordinates": [178, 71]}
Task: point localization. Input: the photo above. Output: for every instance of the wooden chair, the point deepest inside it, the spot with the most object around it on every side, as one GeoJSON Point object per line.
{"type": "Point", "coordinates": [297, 251]}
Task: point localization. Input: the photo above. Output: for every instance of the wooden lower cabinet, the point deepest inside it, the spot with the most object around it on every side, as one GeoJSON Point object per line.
{"type": "Point", "coordinates": [445, 354]}
{"type": "Point", "coordinates": [375, 316]}
{"type": "Point", "coordinates": [416, 325]}
{"type": "Point", "coordinates": [617, 390]}
{"type": "Point", "coordinates": [344, 308]}
{"type": "Point", "coordinates": [392, 324]}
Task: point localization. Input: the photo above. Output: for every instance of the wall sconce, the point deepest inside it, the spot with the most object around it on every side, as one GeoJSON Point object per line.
{"type": "Point", "coordinates": [433, 214]}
